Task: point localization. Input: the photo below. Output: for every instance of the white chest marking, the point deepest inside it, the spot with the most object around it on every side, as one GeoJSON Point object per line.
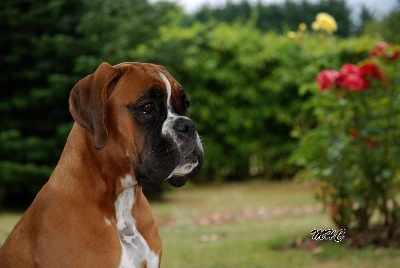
{"type": "Point", "coordinates": [108, 222]}
{"type": "Point", "coordinates": [135, 249]}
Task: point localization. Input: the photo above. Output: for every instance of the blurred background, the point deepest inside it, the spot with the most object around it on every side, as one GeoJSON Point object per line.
{"type": "Point", "coordinates": [250, 70]}
{"type": "Point", "coordinates": [242, 71]}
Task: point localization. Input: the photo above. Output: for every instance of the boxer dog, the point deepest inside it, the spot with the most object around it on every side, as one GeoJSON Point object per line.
{"type": "Point", "coordinates": [131, 130]}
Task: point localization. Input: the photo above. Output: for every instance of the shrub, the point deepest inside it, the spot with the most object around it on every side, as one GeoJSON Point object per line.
{"type": "Point", "coordinates": [353, 150]}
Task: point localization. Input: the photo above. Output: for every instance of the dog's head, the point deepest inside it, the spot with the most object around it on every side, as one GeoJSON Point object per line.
{"type": "Point", "coordinates": [142, 112]}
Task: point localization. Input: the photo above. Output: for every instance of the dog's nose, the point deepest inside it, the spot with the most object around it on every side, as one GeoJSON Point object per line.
{"type": "Point", "coordinates": [184, 126]}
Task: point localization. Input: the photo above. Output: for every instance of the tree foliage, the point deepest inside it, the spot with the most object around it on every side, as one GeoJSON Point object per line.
{"type": "Point", "coordinates": [37, 52]}
{"type": "Point", "coordinates": [385, 28]}
{"type": "Point", "coordinates": [47, 46]}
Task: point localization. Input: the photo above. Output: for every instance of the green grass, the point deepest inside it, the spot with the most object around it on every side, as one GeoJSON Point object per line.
{"type": "Point", "coordinates": [7, 222]}
{"type": "Point", "coordinates": [246, 225]}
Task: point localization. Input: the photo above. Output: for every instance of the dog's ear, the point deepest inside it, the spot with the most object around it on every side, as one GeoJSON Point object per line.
{"type": "Point", "coordinates": [88, 101]}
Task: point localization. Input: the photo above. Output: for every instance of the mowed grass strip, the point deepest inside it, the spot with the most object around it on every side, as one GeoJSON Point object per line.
{"type": "Point", "coordinates": [287, 211]}
{"type": "Point", "coordinates": [246, 225]}
{"type": "Point", "coordinates": [255, 245]}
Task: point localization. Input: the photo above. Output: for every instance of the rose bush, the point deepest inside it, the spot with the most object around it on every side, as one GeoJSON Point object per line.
{"type": "Point", "coordinates": [353, 150]}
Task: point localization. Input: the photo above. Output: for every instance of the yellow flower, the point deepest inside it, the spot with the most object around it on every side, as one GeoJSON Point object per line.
{"type": "Point", "coordinates": [316, 26]}
{"type": "Point", "coordinates": [291, 35]}
{"type": "Point", "coordinates": [324, 21]}
{"type": "Point", "coordinates": [302, 27]}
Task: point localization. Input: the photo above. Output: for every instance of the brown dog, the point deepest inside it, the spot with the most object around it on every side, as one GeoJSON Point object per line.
{"type": "Point", "coordinates": [132, 130]}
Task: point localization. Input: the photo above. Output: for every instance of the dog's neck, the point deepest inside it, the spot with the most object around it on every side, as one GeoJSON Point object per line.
{"type": "Point", "coordinates": [99, 170]}
{"type": "Point", "coordinates": [135, 247]}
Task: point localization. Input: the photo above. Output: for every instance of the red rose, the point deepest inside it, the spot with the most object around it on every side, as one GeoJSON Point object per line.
{"type": "Point", "coordinates": [326, 79]}
{"type": "Point", "coordinates": [354, 82]}
{"type": "Point", "coordinates": [349, 68]}
{"type": "Point", "coordinates": [371, 69]}
{"type": "Point", "coordinates": [384, 51]}
{"type": "Point", "coordinates": [379, 49]}
{"type": "Point", "coordinates": [373, 142]}
{"type": "Point", "coordinates": [353, 133]}
{"type": "Point", "coordinates": [395, 55]}
{"type": "Point", "coordinates": [346, 70]}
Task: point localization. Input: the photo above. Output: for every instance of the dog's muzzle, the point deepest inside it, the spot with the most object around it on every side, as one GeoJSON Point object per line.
{"type": "Point", "coordinates": [187, 140]}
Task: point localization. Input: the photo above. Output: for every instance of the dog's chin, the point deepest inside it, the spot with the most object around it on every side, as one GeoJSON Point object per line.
{"type": "Point", "coordinates": [177, 181]}
{"type": "Point", "coordinates": [188, 167]}
{"type": "Point", "coordinates": [149, 185]}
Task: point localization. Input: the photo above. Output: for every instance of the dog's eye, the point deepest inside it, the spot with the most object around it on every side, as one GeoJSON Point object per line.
{"type": "Point", "coordinates": [187, 104]}
{"type": "Point", "coordinates": [148, 108]}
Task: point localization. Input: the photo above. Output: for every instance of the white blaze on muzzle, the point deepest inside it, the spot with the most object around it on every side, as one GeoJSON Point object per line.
{"type": "Point", "coordinates": [171, 116]}
{"type": "Point", "coordinates": [168, 130]}
{"type": "Point", "coordinates": [168, 125]}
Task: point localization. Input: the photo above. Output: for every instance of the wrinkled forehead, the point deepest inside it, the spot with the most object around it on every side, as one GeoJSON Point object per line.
{"type": "Point", "coordinates": [147, 76]}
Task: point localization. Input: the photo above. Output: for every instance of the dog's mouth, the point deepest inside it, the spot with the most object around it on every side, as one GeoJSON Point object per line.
{"type": "Point", "coordinates": [177, 181]}
{"type": "Point", "coordinates": [188, 167]}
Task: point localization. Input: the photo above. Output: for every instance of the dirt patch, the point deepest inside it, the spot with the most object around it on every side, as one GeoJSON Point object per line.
{"type": "Point", "coordinates": [224, 217]}
{"type": "Point", "coordinates": [251, 214]}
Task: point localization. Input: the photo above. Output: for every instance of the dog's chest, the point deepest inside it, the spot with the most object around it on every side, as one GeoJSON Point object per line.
{"type": "Point", "coordinates": [135, 250]}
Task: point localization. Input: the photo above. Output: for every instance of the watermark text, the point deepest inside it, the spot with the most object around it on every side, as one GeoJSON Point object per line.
{"type": "Point", "coordinates": [328, 234]}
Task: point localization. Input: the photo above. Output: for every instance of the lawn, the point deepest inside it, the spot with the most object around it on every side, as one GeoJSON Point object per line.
{"type": "Point", "coordinates": [246, 225]}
